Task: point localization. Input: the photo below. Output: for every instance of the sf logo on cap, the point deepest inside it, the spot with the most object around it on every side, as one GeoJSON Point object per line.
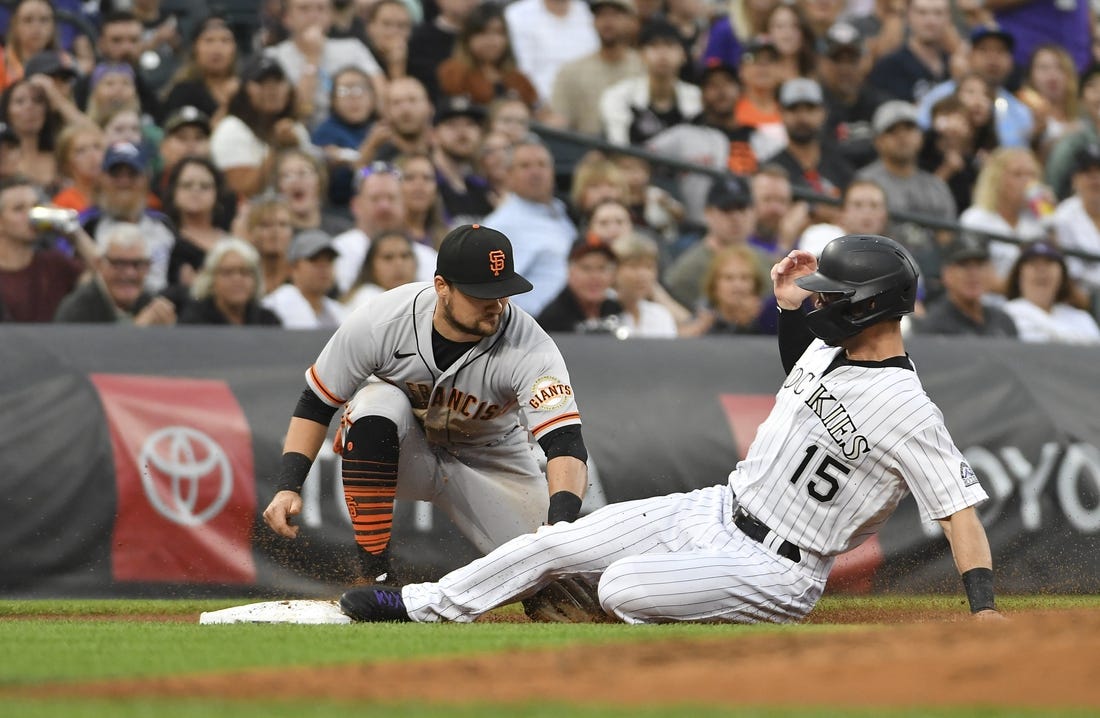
{"type": "Point", "coordinates": [496, 261]}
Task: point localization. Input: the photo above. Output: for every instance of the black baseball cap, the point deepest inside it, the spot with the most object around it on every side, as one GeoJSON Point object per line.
{"type": "Point", "coordinates": [478, 261]}
{"type": "Point", "coordinates": [965, 248]}
{"type": "Point", "coordinates": [1088, 157]}
{"type": "Point", "coordinates": [733, 192]}
{"type": "Point", "coordinates": [658, 30]}
{"type": "Point", "coordinates": [53, 63]}
{"type": "Point", "coordinates": [717, 66]}
{"type": "Point", "coordinates": [981, 32]}
{"type": "Point", "coordinates": [187, 116]}
{"type": "Point", "coordinates": [458, 106]}
{"type": "Point", "coordinates": [261, 67]}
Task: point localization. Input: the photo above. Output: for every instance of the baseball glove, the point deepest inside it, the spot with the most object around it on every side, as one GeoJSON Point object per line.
{"type": "Point", "coordinates": [567, 600]}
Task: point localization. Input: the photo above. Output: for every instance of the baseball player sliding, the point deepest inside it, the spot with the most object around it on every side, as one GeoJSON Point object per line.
{"type": "Point", "coordinates": [450, 369]}
{"type": "Point", "coordinates": [851, 433]}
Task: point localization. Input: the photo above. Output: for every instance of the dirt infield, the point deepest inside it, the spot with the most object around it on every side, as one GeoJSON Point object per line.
{"type": "Point", "coordinates": [1040, 659]}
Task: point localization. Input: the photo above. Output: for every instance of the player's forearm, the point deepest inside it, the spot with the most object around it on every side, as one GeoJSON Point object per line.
{"type": "Point", "coordinates": [969, 544]}
{"type": "Point", "coordinates": [304, 436]}
{"type": "Point", "coordinates": [567, 473]}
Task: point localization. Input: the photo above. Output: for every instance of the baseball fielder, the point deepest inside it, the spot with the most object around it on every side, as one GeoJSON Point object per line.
{"type": "Point", "coordinates": [440, 382]}
{"type": "Point", "coordinates": [851, 433]}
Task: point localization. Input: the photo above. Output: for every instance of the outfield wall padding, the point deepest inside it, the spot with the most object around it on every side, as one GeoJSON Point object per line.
{"type": "Point", "coordinates": [138, 461]}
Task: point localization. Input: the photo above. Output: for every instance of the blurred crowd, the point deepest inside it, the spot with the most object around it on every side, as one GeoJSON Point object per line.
{"type": "Point", "coordinates": [280, 162]}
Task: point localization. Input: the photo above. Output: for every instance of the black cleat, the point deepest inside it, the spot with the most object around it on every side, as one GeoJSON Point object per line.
{"type": "Point", "coordinates": [374, 604]}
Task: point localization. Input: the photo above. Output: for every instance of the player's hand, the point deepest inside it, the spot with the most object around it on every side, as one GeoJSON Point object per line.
{"type": "Point", "coordinates": [282, 508]}
{"type": "Point", "coordinates": [797, 263]}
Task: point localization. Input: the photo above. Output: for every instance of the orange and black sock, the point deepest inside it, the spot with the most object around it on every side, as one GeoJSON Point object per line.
{"type": "Point", "coordinates": [371, 452]}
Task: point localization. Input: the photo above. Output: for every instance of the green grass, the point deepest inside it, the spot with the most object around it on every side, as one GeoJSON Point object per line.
{"type": "Point", "coordinates": [52, 641]}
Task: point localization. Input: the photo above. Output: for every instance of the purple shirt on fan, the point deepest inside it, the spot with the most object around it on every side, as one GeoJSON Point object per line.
{"type": "Point", "coordinates": [1041, 21]}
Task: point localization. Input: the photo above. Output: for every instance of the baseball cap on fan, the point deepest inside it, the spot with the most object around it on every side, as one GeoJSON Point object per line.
{"type": "Point", "coordinates": [478, 261]}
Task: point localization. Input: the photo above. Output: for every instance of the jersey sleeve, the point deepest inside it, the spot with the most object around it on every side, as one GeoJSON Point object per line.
{"type": "Point", "coordinates": [349, 358]}
{"type": "Point", "coordinates": [937, 474]}
{"type": "Point", "coordinates": [544, 393]}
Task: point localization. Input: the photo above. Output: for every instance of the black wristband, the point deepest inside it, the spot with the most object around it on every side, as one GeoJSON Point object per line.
{"type": "Point", "coordinates": [978, 583]}
{"type": "Point", "coordinates": [293, 472]}
{"type": "Point", "coordinates": [564, 506]}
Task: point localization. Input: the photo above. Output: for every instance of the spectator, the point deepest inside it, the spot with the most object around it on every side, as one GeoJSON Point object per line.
{"type": "Point", "coordinates": [123, 124]}
{"type": "Point", "coordinates": [585, 305]}
{"type": "Point", "coordinates": [120, 42]}
{"type": "Point", "coordinates": [207, 78]}
{"type": "Point", "coordinates": [1077, 219]}
{"type": "Point", "coordinates": [160, 40]}
{"type": "Point", "coordinates": [729, 220]}
{"type": "Point", "coordinates": [378, 207]}
{"type": "Point", "coordinates": [1036, 22]}
{"type": "Point", "coordinates": [712, 138]}
{"type": "Point", "coordinates": [266, 226]}
{"type": "Point", "coordinates": [80, 150]}
{"type": "Point", "coordinates": [596, 179]}
{"type": "Point", "coordinates": [194, 188]}
{"type": "Point", "coordinates": [908, 188]}
{"type": "Point", "coordinates": [54, 73]}
{"type": "Point", "coordinates": [850, 101]}
{"type": "Point", "coordinates": [420, 195]}
{"type": "Point", "coordinates": [347, 22]}
{"type": "Point", "coordinates": [1002, 204]}
{"type": "Point", "coordinates": [510, 117]}
{"type": "Point", "coordinates": [924, 61]}
{"type": "Point", "coordinates": [301, 180]}
{"type": "Point", "coordinates": [390, 263]}
{"type": "Point", "coordinates": [579, 84]}
{"type": "Point", "coordinates": [458, 129]}
{"type": "Point", "coordinates": [651, 207]}
{"type": "Point", "coordinates": [118, 291]}
{"type": "Point", "coordinates": [1063, 157]}
{"type": "Point", "coordinates": [433, 41]}
{"type": "Point", "coordinates": [406, 123]}
{"type": "Point", "coordinates": [1041, 298]}
{"type": "Point", "coordinates": [186, 134]}
{"type": "Point", "coordinates": [691, 20]}
{"type": "Point", "coordinates": [493, 165]}
{"type": "Point", "coordinates": [33, 280]}
{"type": "Point", "coordinates": [304, 303]}
{"type": "Point", "coordinates": [344, 131]}
{"type": "Point", "coordinates": [389, 26]}
{"type": "Point", "coordinates": [637, 108]}
{"type": "Point", "coordinates": [608, 221]}
{"type": "Point", "coordinates": [731, 33]}
{"type": "Point", "coordinates": [32, 28]}
{"type": "Point", "coordinates": [310, 59]}
{"type": "Point", "coordinates": [779, 219]}
{"type": "Point", "coordinates": [735, 298]}
{"type": "Point", "coordinates": [991, 59]}
{"type": "Point", "coordinates": [1050, 91]}
{"type": "Point", "coordinates": [539, 222]}
{"type": "Point", "coordinates": [757, 108]}
{"type": "Point", "coordinates": [23, 107]}
{"type": "Point", "coordinates": [229, 288]}
{"type": "Point", "coordinates": [948, 150]}
{"type": "Point", "coordinates": [636, 284]}
{"type": "Point", "coordinates": [979, 100]}
{"type": "Point", "coordinates": [259, 124]}
{"type": "Point", "coordinates": [112, 87]}
{"type": "Point", "coordinates": [967, 276]}
{"type": "Point", "coordinates": [794, 41]}
{"type": "Point", "coordinates": [862, 211]}
{"type": "Point", "coordinates": [482, 67]}
{"type": "Point", "coordinates": [813, 162]}
{"type": "Point", "coordinates": [546, 34]}
{"type": "Point", "coordinates": [123, 199]}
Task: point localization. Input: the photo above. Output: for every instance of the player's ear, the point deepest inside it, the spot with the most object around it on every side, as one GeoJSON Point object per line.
{"type": "Point", "coordinates": [441, 286]}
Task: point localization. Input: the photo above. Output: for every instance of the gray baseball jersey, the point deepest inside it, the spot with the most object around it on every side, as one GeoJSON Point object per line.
{"type": "Point", "coordinates": [838, 452]}
{"type": "Point", "coordinates": [470, 448]}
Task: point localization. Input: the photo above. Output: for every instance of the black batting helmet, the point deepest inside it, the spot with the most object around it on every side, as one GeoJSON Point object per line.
{"type": "Point", "coordinates": [866, 279]}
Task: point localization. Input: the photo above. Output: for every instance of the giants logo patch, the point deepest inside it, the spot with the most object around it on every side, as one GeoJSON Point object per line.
{"type": "Point", "coordinates": [549, 394]}
{"type": "Point", "coordinates": [496, 261]}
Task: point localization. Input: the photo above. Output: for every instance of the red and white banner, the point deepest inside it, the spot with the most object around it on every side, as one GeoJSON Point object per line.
{"type": "Point", "coordinates": [184, 474]}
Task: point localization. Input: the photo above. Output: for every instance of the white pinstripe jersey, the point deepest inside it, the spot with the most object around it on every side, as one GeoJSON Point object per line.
{"type": "Point", "coordinates": [838, 452]}
{"type": "Point", "coordinates": [517, 376]}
